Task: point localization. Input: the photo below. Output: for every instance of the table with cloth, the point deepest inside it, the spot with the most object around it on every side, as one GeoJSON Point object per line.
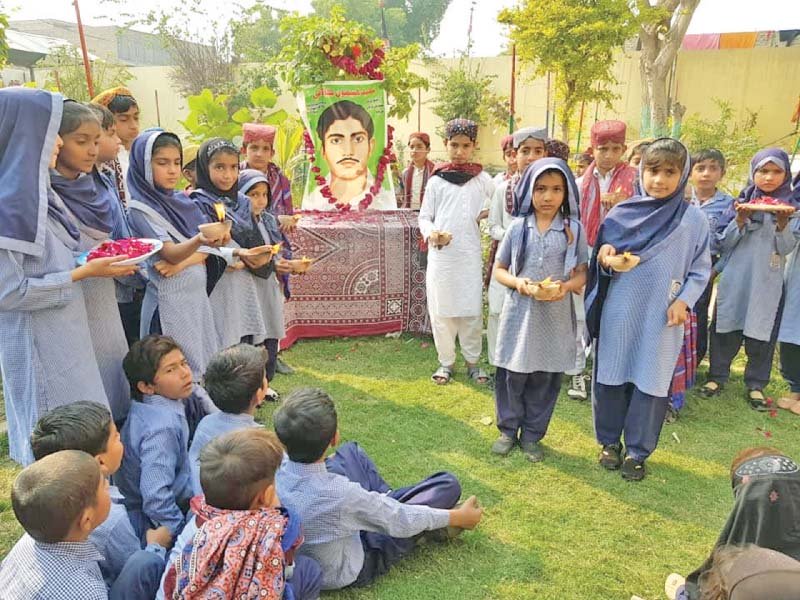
{"type": "Point", "coordinates": [368, 276]}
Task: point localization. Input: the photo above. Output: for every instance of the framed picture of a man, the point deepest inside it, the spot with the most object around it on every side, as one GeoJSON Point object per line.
{"type": "Point", "coordinates": [347, 122]}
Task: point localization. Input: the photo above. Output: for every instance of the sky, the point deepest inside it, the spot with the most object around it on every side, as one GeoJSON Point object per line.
{"type": "Point", "coordinates": [489, 37]}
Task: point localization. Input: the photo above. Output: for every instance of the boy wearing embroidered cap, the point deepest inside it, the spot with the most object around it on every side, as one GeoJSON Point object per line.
{"type": "Point", "coordinates": [189, 167]}
{"type": "Point", "coordinates": [448, 221]}
{"type": "Point", "coordinates": [509, 158]}
{"type": "Point", "coordinates": [258, 145]}
{"type": "Point", "coordinates": [608, 180]}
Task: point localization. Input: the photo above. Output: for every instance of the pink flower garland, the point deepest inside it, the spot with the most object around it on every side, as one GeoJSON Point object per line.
{"type": "Point", "coordinates": [383, 163]}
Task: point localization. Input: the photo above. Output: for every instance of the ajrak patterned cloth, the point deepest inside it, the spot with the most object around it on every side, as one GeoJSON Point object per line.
{"type": "Point", "coordinates": [367, 278]}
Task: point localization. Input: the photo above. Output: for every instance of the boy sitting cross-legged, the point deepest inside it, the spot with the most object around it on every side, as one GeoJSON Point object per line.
{"type": "Point", "coordinates": [88, 427]}
{"type": "Point", "coordinates": [356, 527]}
{"type": "Point", "coordinates": [154, 476]}
{"type": "Point", "coordinates": [59, 501]}
{"type": "Point", "coordinates": [241, 543]}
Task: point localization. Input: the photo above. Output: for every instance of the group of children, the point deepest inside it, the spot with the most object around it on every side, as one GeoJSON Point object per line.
{"type": "Point", "coordinates": [67, 328]}
{"type": "Point", "coordinates": [193, 472]}
{"type": "Point", "coordinates": [205, 502]}
{"type": "Point", "coordinates": [561, 282]}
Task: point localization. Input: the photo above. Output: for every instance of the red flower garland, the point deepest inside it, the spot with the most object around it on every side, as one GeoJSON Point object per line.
{"type": "Point", "coordinates": [383, 163]}
{"type": "Point", "coordinates": [370, 69]}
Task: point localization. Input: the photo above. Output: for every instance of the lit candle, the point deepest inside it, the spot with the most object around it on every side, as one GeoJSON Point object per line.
{"type": "Point", "coordinates": [220, 208]}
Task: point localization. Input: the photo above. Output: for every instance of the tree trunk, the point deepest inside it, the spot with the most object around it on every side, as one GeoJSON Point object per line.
{"type": "Point", "coordinates": [661, 40]}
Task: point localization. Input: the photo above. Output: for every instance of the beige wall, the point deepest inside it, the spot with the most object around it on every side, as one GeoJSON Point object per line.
{"type": "Point", "coordinates": [766, 80]}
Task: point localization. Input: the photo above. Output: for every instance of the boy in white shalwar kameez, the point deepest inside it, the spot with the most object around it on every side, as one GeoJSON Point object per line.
{"type": "Point", "coordinates": [448, 221]}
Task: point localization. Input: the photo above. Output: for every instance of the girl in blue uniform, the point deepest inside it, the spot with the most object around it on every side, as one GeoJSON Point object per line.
{"type": "Point", "coordinates": [637, 317]}
{"type": "Point", "coordinates": [536, 338]}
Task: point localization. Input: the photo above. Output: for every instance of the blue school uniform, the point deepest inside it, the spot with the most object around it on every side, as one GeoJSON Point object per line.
{"type": "Point", "coordinates": [116, 540]}
{"type": "Point", "coordinates": [155, 477]}
{"type": "Point", "coordinates": [717, 210]}
{"type": "Point", "coordinates": [635, 350]}
{"type": "Point", "coordinates": [46, 353]}
{"type": "Point", "coordinates": [789, 333]}
{"type": "Point", "coordinates": [85, 204]}
{"type": "Point", "coordinates": [210, 428]}
{"type": "Point", "coordinates": [750, 290]}
{"type": "Point", "coordinates": [536, 340]}
{"type": "Point", "coordinates": [64, 570]}
{"type": "Point", "coordinates": [181, 302]}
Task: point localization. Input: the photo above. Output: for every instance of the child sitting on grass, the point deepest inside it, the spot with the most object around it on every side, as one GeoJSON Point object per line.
{"type": "Point", "coordinates": [240, 543]}
{"type": "Point", "coordinates": [236, 383]}
{"type": "Point", "coordinates": [154, 476]}
{"type": "Point", "coordinates": [59, 501]}
{"type": "Point", "coordinates": [88, 427]}
{"type": "Point", "coordinates": [356, 527]}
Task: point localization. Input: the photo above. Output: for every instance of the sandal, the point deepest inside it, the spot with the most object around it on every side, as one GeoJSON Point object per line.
{"type": "Point", "coordinates": [711, 389]}
{"type": "Point", "coordinates": [756, 400]}
{"type": "Point", "coordinates": [478, 375]}
{"type": "Point", "coordinates": [442, 376]}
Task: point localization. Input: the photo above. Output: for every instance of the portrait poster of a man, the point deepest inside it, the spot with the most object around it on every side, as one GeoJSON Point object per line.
{"type": "Point", "coordinates": [347, 122]}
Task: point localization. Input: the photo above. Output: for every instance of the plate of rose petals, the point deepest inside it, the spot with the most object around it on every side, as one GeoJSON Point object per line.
{"type": "Point", "coordinates": [136, 249]}
{"type": "Point", "coordinates": [770, 205]}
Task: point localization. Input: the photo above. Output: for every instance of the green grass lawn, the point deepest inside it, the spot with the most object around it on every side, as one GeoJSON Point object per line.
{"type": "Point", "coordinates": [561, 529]}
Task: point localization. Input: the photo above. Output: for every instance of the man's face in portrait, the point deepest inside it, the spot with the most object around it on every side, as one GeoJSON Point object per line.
{"type": "Point", "coordinates": [347, 147]}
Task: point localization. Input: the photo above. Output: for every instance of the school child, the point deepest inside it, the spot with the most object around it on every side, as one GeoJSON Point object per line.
{"type": "Point", "coordinates": [176, 301]}
{"type": "Point", "coordinates": [582, 162]}
{"type": "Point", "coordinates": [509, 159]}
{"type": "Point", "coordinates": [125, 109]}
{"type": "Point", "coordinates": [95, 212]}
{"type": "Point", "coordinates": [418, 172]}
{"type": "Point", "coordinates": [88, 427]}
{"type": "Point", "coordinates": [59, 501]}
{"type": "Point", "coordinates": [264, 229]}
{"type": "Point", "coordinates": [636, 318]}
{"type": "Point", "coordinates": [46, 351]}
{"type": "Point", "coordinates": [750, 291]}
{"type": "Point", "coordinates": [528, 145]}
{"type": "Point", "coordinates": [608, 180]}
{"type": "Point", "coordinates": [236, 382]}
{"type": "Point", "coordinates": [789, 333]}
{"type": "Point", "coordinates": [356, 527]}
{"type": "Point", "coordinates": [708, 168]}
{"type": "Point", "coordinates": [535, 337]}
{"type": "Point", "coordinates": [234, 299]}
{"type": "Point", "coordinates": [189, 169]}
{"type": "Point", "coordinates": [557, 149]}
{"type": "Point", "coordinates": [454, 198]}
{"type": "Point", "coordinates": [635, 155]}
{"type": "Point", "coordinates": [130, 290]}
{"type": "Point", "coordinates": [258, 145]}
{"type": "Point", "coordinates": [239, 524]}
{"type": "Point", "coordinates": [154, 477]}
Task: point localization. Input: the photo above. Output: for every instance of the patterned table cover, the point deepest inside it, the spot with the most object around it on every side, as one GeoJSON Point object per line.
{"type": "Point", "coordinates": [368, 277]}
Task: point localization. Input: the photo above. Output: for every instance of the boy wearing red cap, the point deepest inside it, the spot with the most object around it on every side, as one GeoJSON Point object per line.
{"type": "Point", "coordinates": [416, 175]}
{"type": "Point", "coordinates": [608, 180]}
{"type": "Point", "coordinates": [258, 145]}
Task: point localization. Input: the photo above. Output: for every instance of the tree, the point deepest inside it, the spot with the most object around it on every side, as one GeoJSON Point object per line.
{"type": "Point", "coordinates": [407, 21]}
{"type": "Point", "coordinates": [3, 43]}
{"type": "Point", "coordinates": [464, 92]}
{"type": "Point", "coordinates": [663, 23]}
{"type": "Point", "coordinates": [315, 49]}
{"type": "Point", "coordinates": [202, 59]}
{"type": "Point", "coordinates": [575, 40]}
{"type": "Point", "coordinates": [256, 35]}
{"type": "Point", "coordinates": [737, 140]}
{"type": "Point", "coordinates": [66, 73]}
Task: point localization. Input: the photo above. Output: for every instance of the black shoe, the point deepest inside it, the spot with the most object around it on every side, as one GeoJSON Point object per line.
{"type": "Point", "coordinates": [633, 470]}
{"type": "Point", "coordinates": [533, 451]}
{"type": "Point", "coordinates": [282, 368]}
{"type": "Point", "coordinates": [610, 457]}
